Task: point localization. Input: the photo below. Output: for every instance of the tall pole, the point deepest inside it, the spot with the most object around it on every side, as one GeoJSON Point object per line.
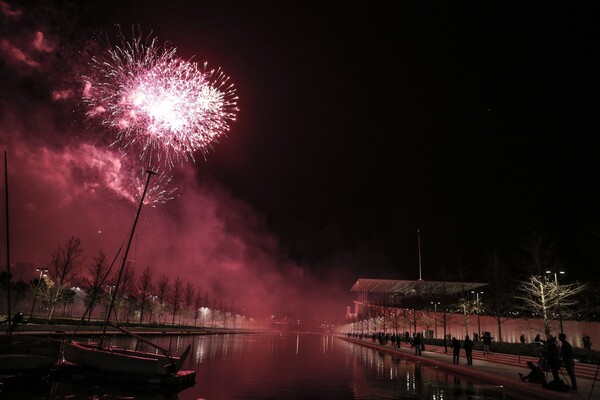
{"type": "Point", "coordinates": [478, 312]}
{"type": "Point", "coordinates": [419, 245]}
{"type": "Point", "coordinates": [435, 303]}
{"type": "Point", "coordinates": [7, 242]}
{"type": "Point", "coordinates": [42, 272]}
{"type": "Point", "coordinates": [478, 320]}
{"type": "Point", "coordinates": [558, 302]}
{"type": "Point", "coordinates": [114, 295]}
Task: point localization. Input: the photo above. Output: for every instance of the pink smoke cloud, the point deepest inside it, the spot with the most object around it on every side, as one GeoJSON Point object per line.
{"type": "Point", "coordinates": [40, 43]}
{"type": "Point", "coordinates": [7, 10]}
{"type": "Point", "coordinates": [66, 180]}
{"type": "Point", "coordinates": [15, 55]}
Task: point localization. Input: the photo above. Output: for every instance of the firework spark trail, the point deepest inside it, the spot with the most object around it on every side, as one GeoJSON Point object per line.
{"type": "Point", "coordinates": [166, 107]}
{"type": "Point", "coordinates": [158, 192]}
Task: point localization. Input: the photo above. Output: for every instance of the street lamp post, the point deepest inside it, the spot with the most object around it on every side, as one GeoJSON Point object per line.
{"type": "Point", "coordinates": [43, 272]}
{"type": "Point", "coordinates": [435, 303]}
{"type": "Point", "coordinates": [478, 309]}
{"type": "Point", "coordinates": [558, 297]}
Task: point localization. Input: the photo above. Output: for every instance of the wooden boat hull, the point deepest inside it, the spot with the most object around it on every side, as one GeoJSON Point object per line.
{"type": "Point", "coordinates": [118, 360]}
{"type": "Point", "coordinates": [23, 353]}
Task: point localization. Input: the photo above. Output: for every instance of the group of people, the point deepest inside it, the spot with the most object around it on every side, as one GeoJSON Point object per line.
{"type": "Point", "coordinates": [468, 345]}
{"type": "Point", "coordinates": [552, 358]}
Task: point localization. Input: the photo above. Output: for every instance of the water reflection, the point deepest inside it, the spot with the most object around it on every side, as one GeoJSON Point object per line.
{"type": "Point", "coordinates": [283, 366]}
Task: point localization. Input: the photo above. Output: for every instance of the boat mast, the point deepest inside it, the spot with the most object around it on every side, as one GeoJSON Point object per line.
{"type": "Point", "coordinates": [419, 246]}
{"type": "Point", "coordinates": [114, 296]}
{"type": "Point", "coordinates": [7, 242]}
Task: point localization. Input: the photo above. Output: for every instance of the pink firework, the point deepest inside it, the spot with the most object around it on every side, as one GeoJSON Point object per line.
{"type": "Point", "coordinates": [159, 191]}
{"type": "Point", "coordinates": [165, 107]}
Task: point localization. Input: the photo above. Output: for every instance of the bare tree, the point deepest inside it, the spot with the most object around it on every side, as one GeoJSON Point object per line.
{"type": "Point", "coordinates": [176, 296]}
{"type": "Point", "coordinates": [162, 294]}
{"type": "Point", "coordinates": [125, 296]}
{"type": "Point", "coordinates": [145, 288]}
{"type": "Point", "coordinates": [188, 296]}
{"type": "Point", "coordinates": [93, 282]}
{"type": "Point", "coordinates": [197, 305]}
{"type": "Point", "coordinates": [539, 255]}
{"type": "Point", "coordinates": [63, 267]}
{"type": "Point", "coordinates": [500, 291]}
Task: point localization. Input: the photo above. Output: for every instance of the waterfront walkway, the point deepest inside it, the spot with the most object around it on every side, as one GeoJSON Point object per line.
{"type": "Point", "coordinates": [500, 369]}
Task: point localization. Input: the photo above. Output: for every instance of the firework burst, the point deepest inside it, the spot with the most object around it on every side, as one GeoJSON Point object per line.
{"type": "Point", "coordinates": [161, 106]}
{"type": "Point", "coordinates": [159, 191]}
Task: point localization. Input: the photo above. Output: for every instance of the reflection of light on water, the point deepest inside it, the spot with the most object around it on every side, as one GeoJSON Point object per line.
{"type": "Point", "coordinates": [200, 353]}
{"type": "Point", "coordinates": [326, 344]}
{"type": "Point", "coordinates": [297, 344]}
{"type": "Point", "coordinates": [226, 346]}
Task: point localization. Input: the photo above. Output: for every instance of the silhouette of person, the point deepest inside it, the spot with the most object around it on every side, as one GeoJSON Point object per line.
{"type": "Point", "coordinates": [468, 346]}
{"type": "Point", "coordinates": [418, 342]}
{"type": "Point", "coordinates": [487, 342]}
{"type": "Point", "coordinates": [587, 343]}
{"type": "Point", "coordinates": [455, 350]}
{"type": "Point", "coordinates": [535, 375]}
{"type": "Point", "coordinates": [553, 357]}
{"type": "Point", "coordinates": [566, 352]}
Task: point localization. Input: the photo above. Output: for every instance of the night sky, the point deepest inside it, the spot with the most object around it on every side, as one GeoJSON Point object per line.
{"type": "Point", "coordinates": [359, 123]}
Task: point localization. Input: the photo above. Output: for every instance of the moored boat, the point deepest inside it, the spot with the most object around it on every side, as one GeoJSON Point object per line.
{"type": "Point", "coordinates": [25, 353]}
{"type": "Point", "coordinates": [120, 360]}
{"type": "Point", "coordinates": [112, 360]}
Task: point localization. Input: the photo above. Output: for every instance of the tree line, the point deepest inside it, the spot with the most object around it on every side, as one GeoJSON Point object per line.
{"type": "Point", "coordinates": [142, 297]}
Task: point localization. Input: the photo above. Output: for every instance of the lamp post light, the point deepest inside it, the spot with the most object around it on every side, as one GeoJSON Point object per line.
{"type": "Point", "coordinates": [478, 309]}
{"type": "Point", "coordinates": [558, 297]}
{"type": "Point", "coordinates": [435, 304]}
{"type": "Point", "coordinates": [43, 272]}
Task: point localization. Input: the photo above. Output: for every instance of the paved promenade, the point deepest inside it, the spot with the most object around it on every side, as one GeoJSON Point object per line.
{"type": "Point", "coordinates": [500, 369]}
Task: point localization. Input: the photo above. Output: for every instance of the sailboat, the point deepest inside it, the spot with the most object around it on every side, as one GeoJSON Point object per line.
{"type": "Point", "coordinates": [22, 353]}
{"type": "Point", "coordinates": [159, 367]}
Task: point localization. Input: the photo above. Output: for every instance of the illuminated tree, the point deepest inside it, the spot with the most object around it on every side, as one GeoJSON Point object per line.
{"type": "Point", "coordinates": [63, 267]}
{"type": "Point", "coordinates": [466, 307]}
{"type": "Point", "coordinates": [544, 297]}
{"type": "Point", "coordinates": [540, 294]}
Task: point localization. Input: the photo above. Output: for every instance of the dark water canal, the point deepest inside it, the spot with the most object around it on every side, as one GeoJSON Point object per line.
{"type": "Point", "coordinates": [283, 366]}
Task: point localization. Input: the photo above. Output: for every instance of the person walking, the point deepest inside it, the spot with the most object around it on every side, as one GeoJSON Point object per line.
{"type": "Point", "coordinates": [487, 342]}
{"type": "Point", "coordinates": [468, 346]}
{"type": "Point", "coordinates": [566, 353]}
{"type": "Point", "coordinates": [418, 342]}
{"type": "Point", "coordinates": [455, 350]}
